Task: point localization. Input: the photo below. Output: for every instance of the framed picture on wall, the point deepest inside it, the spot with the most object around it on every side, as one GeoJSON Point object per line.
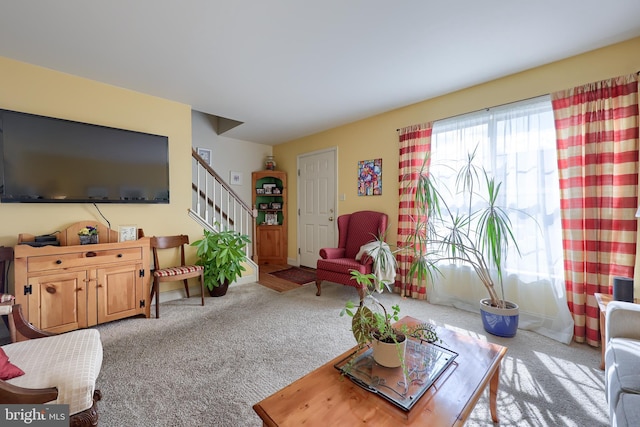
{"type": "Point", "coordinates": [205, 153]}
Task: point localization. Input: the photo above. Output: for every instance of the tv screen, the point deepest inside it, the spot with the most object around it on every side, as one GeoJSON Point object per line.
{"type": "Point", "coordinates": [44, 159]}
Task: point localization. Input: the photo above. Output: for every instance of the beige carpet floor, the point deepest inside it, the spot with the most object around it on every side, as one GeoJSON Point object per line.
{"type": "Point", "coordinates": [207, 366]}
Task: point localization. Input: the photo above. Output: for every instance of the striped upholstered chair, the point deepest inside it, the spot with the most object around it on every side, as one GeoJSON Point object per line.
{"type": "Point", "coordinates": [175, 273]}
{"type": "Point", "coordinates": [354, 230]}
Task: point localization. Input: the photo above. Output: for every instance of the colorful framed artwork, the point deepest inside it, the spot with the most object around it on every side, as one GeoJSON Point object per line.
{"type": "Point", "coordinates": [370, 177]}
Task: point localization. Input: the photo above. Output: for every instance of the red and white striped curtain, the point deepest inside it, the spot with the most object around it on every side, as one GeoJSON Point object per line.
{"type": "Point", "coordinates": [597, 133]}
{"type": "Point", "coordinates": [415, 144]}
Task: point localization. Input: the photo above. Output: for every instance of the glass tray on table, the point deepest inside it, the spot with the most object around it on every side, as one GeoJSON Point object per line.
{"type": "Point", "coordinates": [425, 362]}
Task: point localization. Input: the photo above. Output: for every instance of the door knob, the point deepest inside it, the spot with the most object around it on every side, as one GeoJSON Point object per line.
{"type": "Point", "coordinates": [330, 218]}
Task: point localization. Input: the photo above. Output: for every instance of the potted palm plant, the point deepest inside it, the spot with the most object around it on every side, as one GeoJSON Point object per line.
{"type": "Point", "coordinates": [221, 253]}
{"type": "Point", "coordinates": [478, 235]}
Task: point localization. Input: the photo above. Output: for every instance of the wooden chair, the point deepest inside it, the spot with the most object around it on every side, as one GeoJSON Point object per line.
{"type": "Point", "coordinates": [6, 256]}
{"type": "Point", "coordinates": [173, 274]}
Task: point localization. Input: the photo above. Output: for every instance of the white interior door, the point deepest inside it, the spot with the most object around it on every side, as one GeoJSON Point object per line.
{"type": "Point", "coordinates": [316, 204]}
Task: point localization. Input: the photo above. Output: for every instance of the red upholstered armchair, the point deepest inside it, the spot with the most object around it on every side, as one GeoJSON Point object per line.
{"type": "Point", "coordinates": [354, 230]}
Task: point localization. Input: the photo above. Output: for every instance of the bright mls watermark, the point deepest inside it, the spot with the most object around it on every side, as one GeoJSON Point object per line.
{"type": "Point", "coordinates": [34, 415]}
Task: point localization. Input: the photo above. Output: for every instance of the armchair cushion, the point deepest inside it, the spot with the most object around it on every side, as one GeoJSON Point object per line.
{"type": "Point", "coordinates": [343, 266]}
{"type": "Point", "coordinates": [7, 369]}
{"type": "Point", "coordinates": [71, 362]}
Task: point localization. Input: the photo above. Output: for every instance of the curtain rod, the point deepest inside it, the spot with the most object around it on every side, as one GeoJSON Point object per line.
{"type": "Point", "coordinates": [495, 106]}
{"type": "Point", "coordinates": [488, 108]}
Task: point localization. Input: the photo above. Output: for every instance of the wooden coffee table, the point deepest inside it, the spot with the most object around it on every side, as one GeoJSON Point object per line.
{"type": "Point", "coordinates": [325, 398]}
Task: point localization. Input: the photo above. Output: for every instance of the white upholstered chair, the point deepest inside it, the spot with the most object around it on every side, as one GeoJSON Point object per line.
{"type": "Point", "coordinates": [58, 369]}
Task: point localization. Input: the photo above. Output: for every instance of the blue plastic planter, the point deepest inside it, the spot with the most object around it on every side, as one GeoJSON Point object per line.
{"type": "Point", "coordinates": [502, 322]}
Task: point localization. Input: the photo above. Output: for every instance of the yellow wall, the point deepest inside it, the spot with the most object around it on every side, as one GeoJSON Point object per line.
{"type": "Point", "coordinates": [37, 90]}
{"type": "Point", "coordinates": [376, 137]}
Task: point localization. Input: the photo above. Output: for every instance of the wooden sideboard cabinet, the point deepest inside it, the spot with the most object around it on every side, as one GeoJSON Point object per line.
{"type": "Point", "coordinates": [62, 288]}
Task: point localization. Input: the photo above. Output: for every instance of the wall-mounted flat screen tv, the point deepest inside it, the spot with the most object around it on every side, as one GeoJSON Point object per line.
{"type": "Point", "coordinates": [44, 159]}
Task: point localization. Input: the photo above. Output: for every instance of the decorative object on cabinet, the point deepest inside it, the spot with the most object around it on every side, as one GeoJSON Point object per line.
{"type": "Point", "coordinates": [221, 253]}
{"type": "Point", "coordinates": [127, 233]}
{"type": "Point", "coordinates": [67, 287]}
{"type": "Point", "coordinates": [270, 240]}
{"type": "Point", "coordinates": [263, 206]}
{"type": "Point", "coordinates": [268, 188]}
{"type": "Point", "coordinates": [175, 273]}
{"type": "Point", "coordinates": [88, 235]}
{"type": "Point", "coordinates": [270, 163]}
{"type": "Point", "coordinates": [271, 219]}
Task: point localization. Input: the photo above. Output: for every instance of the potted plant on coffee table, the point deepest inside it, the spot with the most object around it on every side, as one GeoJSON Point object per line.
{"type": "Point", "coordinates": [372, 322]}
{"type": "Point", "coordinates": [221, 253]}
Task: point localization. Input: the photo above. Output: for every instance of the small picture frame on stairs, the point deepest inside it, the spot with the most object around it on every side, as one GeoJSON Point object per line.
{"type": "Point", "coordinates": [205, 153]}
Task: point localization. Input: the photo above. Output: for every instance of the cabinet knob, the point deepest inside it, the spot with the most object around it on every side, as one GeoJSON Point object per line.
{"type": "Point", "coordinates": [90, 254]}
{"type": "Point", "coordinates": [50, 289]}
{"type": "Point", "coordinates": [119, 255]}
{"type": "Point", "coordinates": [58, 261]}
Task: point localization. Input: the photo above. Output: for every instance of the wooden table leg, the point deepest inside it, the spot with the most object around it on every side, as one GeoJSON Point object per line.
{"type": "Point", "coordinates": [493, 394]}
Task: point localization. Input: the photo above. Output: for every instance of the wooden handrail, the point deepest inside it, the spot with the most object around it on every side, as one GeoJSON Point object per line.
{"type": "Point", "coordinates": [218, 178]}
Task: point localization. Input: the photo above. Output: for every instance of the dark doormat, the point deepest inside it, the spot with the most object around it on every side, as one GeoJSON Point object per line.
{"type": "Point", "coordinates": [297, 275]}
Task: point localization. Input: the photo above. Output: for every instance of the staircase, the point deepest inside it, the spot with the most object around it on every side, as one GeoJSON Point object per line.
{"type": "Point", "coordinates": [215, 206]}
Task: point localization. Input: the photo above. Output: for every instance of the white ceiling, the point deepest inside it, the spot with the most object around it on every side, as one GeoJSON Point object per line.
{"type": "Point", "coordinates": [290, 68]}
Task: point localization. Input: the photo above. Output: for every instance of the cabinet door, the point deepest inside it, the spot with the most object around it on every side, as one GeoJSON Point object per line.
{"type": "Point", "coordinates": [270, 245]}
{"type": "Point", "coordinates": [119, 292]}
{"type": "Point", "coordinates": [58, 302]}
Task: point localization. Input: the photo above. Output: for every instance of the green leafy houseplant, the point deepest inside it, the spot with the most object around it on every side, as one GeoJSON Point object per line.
{"type": "Point", "coordinates": [221, 253]}
{"type": "Point", "coordinates": [371, 321]}
{"type": "Point", "coordinates": [478, 235]}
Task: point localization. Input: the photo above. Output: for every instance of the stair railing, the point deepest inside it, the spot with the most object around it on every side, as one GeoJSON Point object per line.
{"type": "Point", "coordinates": [214, 202]}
